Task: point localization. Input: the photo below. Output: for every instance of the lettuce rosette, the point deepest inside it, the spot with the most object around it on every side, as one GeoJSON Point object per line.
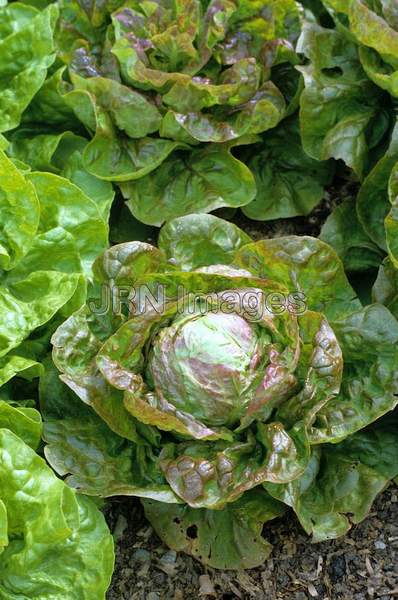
{"type": "Point", "coordinates": [213, 377]}
{"type": "Point", "coordinates": [173, 94]}
{"type": "Point", "coordinates": [48, 533]}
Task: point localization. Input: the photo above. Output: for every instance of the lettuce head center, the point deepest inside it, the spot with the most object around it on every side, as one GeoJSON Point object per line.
{"type": "Point", "coordinates": [204, 364]}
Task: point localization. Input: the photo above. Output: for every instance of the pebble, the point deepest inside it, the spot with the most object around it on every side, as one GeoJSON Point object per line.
{"type": "Point", "coordinates": [380, 545]}
{"type": "Point", "coordinates": [141, 555]}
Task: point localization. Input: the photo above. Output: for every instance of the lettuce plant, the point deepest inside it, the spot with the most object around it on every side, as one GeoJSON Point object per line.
{"type": "Point", "coordinates": [49, 237]}
{"type": "Point", "coordinates": [226, 379]}
{"type": "Point", "coordinates": [174, 94]}
{"type": "Point", "coordinates": [53, 543]}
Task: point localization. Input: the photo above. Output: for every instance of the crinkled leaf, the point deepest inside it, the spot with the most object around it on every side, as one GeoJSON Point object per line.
{"type": "Point", "coordinates": [64, 205]}
{"type": "Point", "coordinates": [202, 181]}
{"type": "Point", "coordinates": [20, 210]}
{"type": "Point", "coordinates": [372, 201]}
{"type": "Point", "coordinates": [262, 112]}
{"type": "Point", "coordinates": [76, 343]}
{"type": "Point", "coordinates": [25, 422]}
{"type": "Point", "coordinates": [230, 538]}
{"type": "Point", "coordinates": [385, 288]}
{"type": "Point", "coordinates": [305, 265]}
{"type": "Point", "coordinates": [391, 220]}
{"type": "Point", "coordinates": [370, 387]}
{"type": "Point", "coordinates": [52, 533]}
{"type": "Point", "coordinates": [49, 107]}
{"type": "Point", "coordinates": [289, 182]}
{"type": "Point", "coordinates": [342, 482]}
{"type": "Point", "coordinates": [100, 463]}
{"type": "Point", "coordinates": [200, 240]}
{"type": "Point", "coordinates": [338, 102]}
{"type": "Point", "coordinates": [211, 474]}
{"type": "Point", "coordinates": [62, 154]}
{"type": "Point", "coordinates": [344, 232]}
{"type": "Point", "coordinates": [24, 367]}
{"type": "Point", "coordinates": [26, 50]}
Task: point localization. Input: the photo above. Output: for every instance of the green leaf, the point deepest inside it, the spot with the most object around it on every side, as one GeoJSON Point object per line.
{"type": "Point", "coordinates": [31, 302]}
{"type": "Point", "coordinates": [305, 265]}
{"type": "Point", "coordinates": [24, 422]}
{"type": "Point", "coordinates": [13, 365]}
{"type": "Point", "coordinates": [262, 112]}
{"type": "Point", "coordinates": [62, 154]}
{"type": "Point", "coordinates": [78, 335]}
{"type": "Point", "coordinates": [49, 106]}
{"type": "Point", "coordinates": [202, 181]}
{"type": "Point", "coordinates": [369, 388]}
{"type": "Point", "coordinates": [339, 487]}
{"type": "Point", "coordinates": [130, 111]}
{"type": "Point", "coordinates": [199, 240]}
{"type": "Point", "coordinates": [100, 463]}
{"type": "Point", "coordinates": [289, 182]}
{"type": "Point", "coordinates": [64, 205]}
{"type": "Point", "coordinates": [21, 212]}
{"type": "Point", "coordinates": [372, 202]}
{"type": "Point", "coordinates": [26, 50]}
{"type": "Point", "coordinates": [212, 474]}
{"type": "Point", "coordinates": [385, 289]}
{"type": "Point", "coordinates": [51, 532]}
{"type": "Point", "coordinates": [391, 220]}
{"type": "Point", "coordinates": [120, 118]}
{"type": "Point", "coordinates": [344, 232]}
{"type": "Point", "coordinates": [334, 125]}
{"type": "Point", "coordinates": [373, 31]}
{"type": "Point", "coordinates": [223, 539]}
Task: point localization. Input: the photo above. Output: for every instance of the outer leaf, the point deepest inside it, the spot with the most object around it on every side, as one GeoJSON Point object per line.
{"type": "Point", "coordinates": [13, 365]}
{"type": "Point", "coordinates": [65, 205]}
{"type": "Point", "coordinates": [385, 289]}
{"type": "Point", "coordinates": [118, 114]}
{"type": "Point", "coordinates": [79, 337]}
{"type": "Point", "coordinates": [343, 231]}
{"type": "Point", "coordinates": [49, 106]}
{"type": "Point", "coordinates": [391, 221]}
{"type": "Point", "coordinates": [289, 182]}
{"type": "Point", "coordinates": [32, 42]}
{"type": "Point", "coordinates": [369, 388]}
{"type": "Point", "coordinates": [262, 112]}
{"type": "Point", "coordinates": [208, 179]}
{"type": "Point", "coordinates": [226, 539]}
{"type": "Point", "coordinates": [62, 154]}
{"type": "Point", "coordinates": [333, 124]}
{"type": "Point", "coordinates": [23, 422]}
{"type": "Point", "coordinates": [373, 31]}
{"type": "Point", "coordinates": [100, 463]}
{"type": "Point", "coordinates": [306, 265]}
{"type": "Point", "coordinates": [31, 303]}
{"type": "Point", "coordinates": [372, 201]}
{"type": "Point", "coordinates": [51, 532]}
{"type": "Point", "coordinates": [200, 240]}
{"type": "Point", "coordinates": [20, 211]}
{"type": "Point", "coordinates": [339, 489]}
{"type": "Point", "coordinates": [126, 263]}
{"type": "Point", "coordinates": [209, 475]}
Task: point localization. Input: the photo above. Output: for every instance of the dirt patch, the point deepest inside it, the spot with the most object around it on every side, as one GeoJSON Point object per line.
{"type": "Point", "coordinates": [361, 566]}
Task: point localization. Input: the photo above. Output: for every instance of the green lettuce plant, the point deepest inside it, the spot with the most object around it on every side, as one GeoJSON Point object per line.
{"type": "Point", "coordinates": [53, 542]}
{"type": "Point", "coordinates": [174, 95]}
{"type": "Point", "coordinates": [50, 234]}
{"type": "Point", "coordinates": [254, 389]}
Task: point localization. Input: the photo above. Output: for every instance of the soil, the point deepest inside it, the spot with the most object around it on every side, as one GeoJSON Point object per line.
{"type": "Point", "coordinates": [359, 566]}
